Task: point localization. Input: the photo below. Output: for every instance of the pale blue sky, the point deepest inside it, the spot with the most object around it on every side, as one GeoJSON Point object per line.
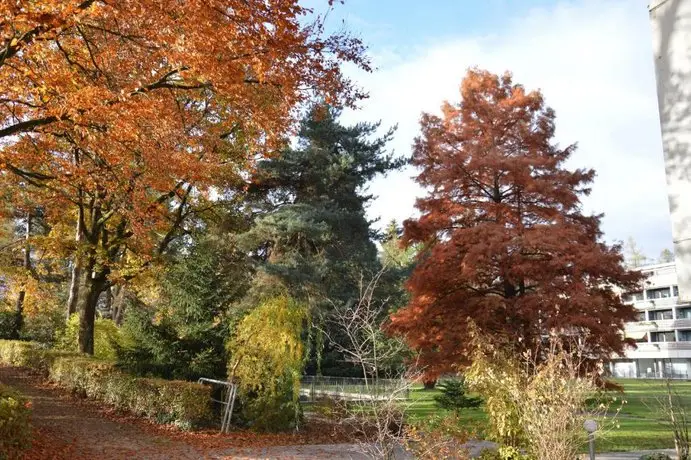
{"type": "Point", "coordinates": [592, 59]}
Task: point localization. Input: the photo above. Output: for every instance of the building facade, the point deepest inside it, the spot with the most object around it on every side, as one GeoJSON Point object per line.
{"type": "Point", "coordinates": [670, 22]}
{"type": "Point", "coordinates": [663, 329]}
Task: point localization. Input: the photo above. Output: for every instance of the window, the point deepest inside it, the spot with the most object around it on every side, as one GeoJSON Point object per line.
{"type": "Point", "coordinates": [640, 316]}
{"type": "Point", "coordinates": [660, 315]}
{"type": "Point", "coordinates": [675, 291]}
{"type": "Point", "coordinates": [634, 296]}
{"type": "Point", "coordinates": [684, 313]}
{"type": "Point", "coordinates": [659, 293]}
{"type": "Point", "coordinates": [643, 339]}
{"type": "Point", "coordinates": [662, 336]}
{"type": "Point", "coordinates": [685, 336]}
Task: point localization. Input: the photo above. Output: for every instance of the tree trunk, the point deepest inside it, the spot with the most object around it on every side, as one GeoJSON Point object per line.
{"type": "Point", "coordinates": [429, 384]}
{"type": "Point", "coordinates": [108, 302]}
{"type": "Point", "coordinates": [19, 306]}
{"type": "Point", "coordinates": [18, 315]}
{"type": "Point", "coordinates": [73, 297]}
{"type": "Point", "coordinates": [119, 304]}
{"type": "Point", "coordinates": [87, 313]}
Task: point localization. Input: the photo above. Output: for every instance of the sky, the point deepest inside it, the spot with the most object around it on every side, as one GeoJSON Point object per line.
{"type": "Point", "coordinates": [592, 59]}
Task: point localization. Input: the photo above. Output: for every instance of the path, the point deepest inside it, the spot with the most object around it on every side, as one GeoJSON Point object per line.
{"type": "Point", "coordinates": [80, 430]}
{"type": "Point", "coordinates": [67, 428]}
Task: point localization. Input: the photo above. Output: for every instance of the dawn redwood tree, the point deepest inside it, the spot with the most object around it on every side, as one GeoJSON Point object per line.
{"type": "Point", "coordinates": [119, 113]}
{"type": "Point", "coordinates": [506, 242]}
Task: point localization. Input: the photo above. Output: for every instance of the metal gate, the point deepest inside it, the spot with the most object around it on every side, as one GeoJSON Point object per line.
{"type": "Point", "coordinates": [228, 393]}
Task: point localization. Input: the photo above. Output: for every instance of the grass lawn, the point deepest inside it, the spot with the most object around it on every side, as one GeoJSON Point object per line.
{"type": "Point", "coordinates": [636, 427]}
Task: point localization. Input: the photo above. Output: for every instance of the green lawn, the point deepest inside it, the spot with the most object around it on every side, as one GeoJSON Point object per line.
{"type": "Point", "coordinates": [635, 428]}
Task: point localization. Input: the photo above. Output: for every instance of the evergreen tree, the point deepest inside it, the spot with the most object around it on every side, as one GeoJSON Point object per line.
{"type": "Point", "coordinates": [310, 237]}
{"type": "Point", "coordinates": [311, 233]}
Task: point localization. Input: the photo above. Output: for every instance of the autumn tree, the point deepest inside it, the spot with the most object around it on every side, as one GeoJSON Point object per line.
{"type": "Point", "coordinates": [506, 242]}
{"type": "Point", "coordinates": [119, 114]}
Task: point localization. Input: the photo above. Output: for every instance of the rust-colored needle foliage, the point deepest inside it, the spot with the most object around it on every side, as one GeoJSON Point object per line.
{"type": "Point", "coordinates": [507, 243]}
{"type": "Point", "coordinates": [117, 114]}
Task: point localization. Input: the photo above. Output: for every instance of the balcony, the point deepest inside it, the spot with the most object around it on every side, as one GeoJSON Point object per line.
{"type": "Point", "coordinates": [661, 346]}
{"type": "Point", "coordinates": [659, 325]}
{"type": "Point", "coordinates": [656, 303]}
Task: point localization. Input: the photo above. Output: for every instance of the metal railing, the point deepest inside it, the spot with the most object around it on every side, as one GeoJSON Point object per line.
{"type": "Point", "coordinates": [652, 375]}
{"type": "Point", "coordinates": [351, 388]}
{"type": "Point", "coordinates": [227, 394]}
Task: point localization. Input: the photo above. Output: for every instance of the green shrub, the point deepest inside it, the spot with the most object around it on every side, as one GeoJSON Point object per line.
{"type": "Point", "coordinates": [44, 324]}
{"type": "Point", "coordinates": [28, 354]}
{"type": "Point", "coordinates": [656, 456]}
{"type": "Point", "coordinates": [184, 404]}
{"type": "Point", "coordinates": [453, 396]}
{"type": "Point", "coordinates": [166, 349]}
{"type": "Point", "coordinates": [267, 357]}
{"type": "Point", "coordinates": [7, 320]}
{"type": "Point", "coordinates": [106, 337]}
{"type": "Point", "coordinates": [503, 453]}
{"type": "Point", "coordinates": [15, 429]}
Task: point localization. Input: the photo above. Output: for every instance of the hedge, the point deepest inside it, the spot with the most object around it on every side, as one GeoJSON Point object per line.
{"type": "Point", "coordinates": [184, 404]}
{"type": "Point", "coordinates": [15, 429]}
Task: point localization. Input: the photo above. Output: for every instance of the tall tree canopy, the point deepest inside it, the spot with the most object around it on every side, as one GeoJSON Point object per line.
{"type": "Point", "coordinates": [506, 241]}
{"type": "Point", "coordinates": [311, 238]}
{"type": "Point", "coordinates": [120, 113]}
{"type": "Point", "coordinates": [311, 232]}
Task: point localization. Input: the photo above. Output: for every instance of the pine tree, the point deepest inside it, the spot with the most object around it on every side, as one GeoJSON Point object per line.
{"type": "Point", "coordinates": [311, 233]}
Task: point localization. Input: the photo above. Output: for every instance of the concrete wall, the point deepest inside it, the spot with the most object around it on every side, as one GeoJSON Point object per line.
{"type": "Point", "coordinates": [671, 29]}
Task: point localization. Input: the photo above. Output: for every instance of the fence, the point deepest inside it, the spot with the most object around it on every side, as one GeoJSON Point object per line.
{"type": "Point", "coordinates": [652, 375]}
{"type": "Point", "coordinates": [353, 389]}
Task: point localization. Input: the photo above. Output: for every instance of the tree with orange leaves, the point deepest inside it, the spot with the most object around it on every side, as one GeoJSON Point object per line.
{"type": "Point", "coordinates": [506, 242]}
{"type": "Point", "coordinates": [117, 114]}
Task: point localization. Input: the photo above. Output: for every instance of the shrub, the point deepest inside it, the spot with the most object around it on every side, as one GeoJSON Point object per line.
{"type": "Point", "coordinates": [106, 337]}
{"type": "Point", "coordinates": [532, 404]}
{"type": "Point", "coordinates": [162, 348]}
{"type": "Point", "coordinates": [7, 320]}
{"type": "Point", "coordinates": [44, 324]}
{"type": "Point", "coordinates": [437, 437]}
{"type": "Point", "coordinates": [656, 456]}
{"type": "Point", "coordinates": [184, 404]}
{"type": "Point", "coordinates": [28, 354]}
{"type": "Point", "coordinates": [453, 396]}
{"type": "Point", "coordinates": [503, 453]}
{"type": "Point", "coordinates": [268, 358]}
{"type": "Point", "coordinates": [15, 430]}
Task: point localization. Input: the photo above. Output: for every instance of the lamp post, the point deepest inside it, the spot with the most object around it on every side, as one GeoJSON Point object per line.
{"type": "Point", "coordinates": [591, 427]}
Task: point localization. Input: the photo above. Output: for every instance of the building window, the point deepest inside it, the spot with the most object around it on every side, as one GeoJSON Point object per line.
{"type": "Point", "coordinates": [634, 296]}
{"type": "Point", "coordinates": [662, 336]}
{"type": "Point", "coordinates": [660, 315]}
{"type": "Point", "coordinates": [675, 291]}
{"type": "Point", "coordinates": [640, 316]}
{"type": "Point", "coordinates": [643, 339]}
{"type": "Point", "coordinates": [684, 313]}
{"type": "Point", "coordinates": [659, 293]}
{"type": "Point", "coordinates": [685, 336]}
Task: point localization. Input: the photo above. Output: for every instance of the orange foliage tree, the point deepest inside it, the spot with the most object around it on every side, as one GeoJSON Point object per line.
{"type": "Point", "coordinates": [506, 241]}
{"type": "Point", "coordinates": [117, 114]}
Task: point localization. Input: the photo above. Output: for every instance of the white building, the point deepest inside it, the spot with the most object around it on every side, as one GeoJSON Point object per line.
{"type": "Point", "coordinates": [663, 329]}
{"type": "Point", "coordinates": [671, 32]}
